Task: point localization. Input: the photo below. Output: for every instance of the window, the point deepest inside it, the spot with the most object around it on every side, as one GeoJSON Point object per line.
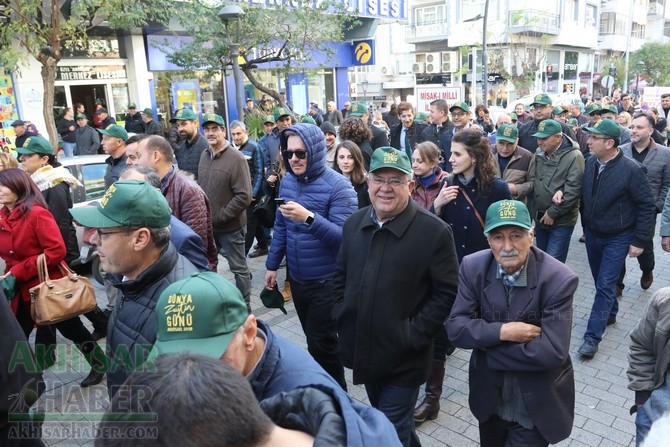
{"type": "Point", "coordinates": [571, 10]}
{"type": "Point", "coordinates": [611, 23]}
{"type": "Point", "coordinates": [591, 13]}
{"type": "Point", "coordinates": [470, 8]}
{"type": "Point", "coordinates": [94, 180]}
{"type": "Point", "coordinates": [429, 15]}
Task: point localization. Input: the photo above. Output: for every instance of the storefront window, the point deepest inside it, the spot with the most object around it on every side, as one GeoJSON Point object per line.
{"type": "Point", "coordinates": [192, 89]}
{"type": "Point", "coordinates": [121, 100]}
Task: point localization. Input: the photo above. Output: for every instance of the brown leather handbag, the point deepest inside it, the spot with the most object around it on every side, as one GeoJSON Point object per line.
{"type": "Point", "coordinates": [55, 300]}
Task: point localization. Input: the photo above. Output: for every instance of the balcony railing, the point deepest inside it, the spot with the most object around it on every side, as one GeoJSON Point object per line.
{"type": "Point", "coordinates": [532, 22]}
{"type": "Point", "coordinates": [656, 8]}
{"type": "Point", "coordinates": [429, 31]}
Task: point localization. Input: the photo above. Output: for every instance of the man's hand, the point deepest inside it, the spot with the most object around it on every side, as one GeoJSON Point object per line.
{"type": "Point", "coordinates": [519, 332]}
{"type": "Point", "coordinates": [547, 220]}
{"type": "Point", "coordinates": [513, 189]}
{"type": "Point", "coordinates": [665, 243]}
{"type": "Point", "coordinates": [634, 252]}
{"type": "Point", "coordinates": [294, 211]}
{"type": "Point", "coordinates": [270, 279]}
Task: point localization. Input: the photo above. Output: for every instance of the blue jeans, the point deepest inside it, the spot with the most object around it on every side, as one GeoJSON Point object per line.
{"type": "Point", "coordinates": [397, 404]}
{"type": "Point", "coordinates": [69, 148]}
{"type": "Point", "coordinates": [642, 425]}
{"type": "Point", "coordinates": [606, 258]}
{"type": "Point", "coordinates": [554, 241]}
{"type": "Point", "coordinates": [314, 304]}
{"type": "Point", "coordinates": [231, 247]}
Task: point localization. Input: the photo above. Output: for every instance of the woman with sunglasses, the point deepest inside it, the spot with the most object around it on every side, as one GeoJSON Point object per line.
{"type": "Point", "coordinates": [29, 229]}
{"type": "Point", "coordinates": [462, 202]}
{"type": "Point", "coordinates": [349, 163]}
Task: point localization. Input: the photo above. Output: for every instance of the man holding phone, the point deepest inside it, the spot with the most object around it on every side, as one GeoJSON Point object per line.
{"type": "Point", "coordinates": [559, 168]}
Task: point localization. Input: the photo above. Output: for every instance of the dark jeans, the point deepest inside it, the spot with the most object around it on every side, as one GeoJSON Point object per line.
{"type": "Point", "coordinates": [314, 304]}
{"type": "Point", "coordinates": [555, 241]}
{"type": "Point", "coordinates": [499, 433]}
{"type": "Point", "coordinates": [606, 259]}
{"type": "Point", "coordinates": [397, 404]}
{"type": "Point", "coordinates": [646, 261]}
{"type": "Point", "coordinates": [254, 230]}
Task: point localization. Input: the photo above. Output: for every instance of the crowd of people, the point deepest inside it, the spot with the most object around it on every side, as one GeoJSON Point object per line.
{"type": "Point", "coordinates": [402, 241]}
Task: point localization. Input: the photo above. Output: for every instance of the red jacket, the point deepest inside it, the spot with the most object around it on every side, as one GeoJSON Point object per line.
{"type": "Point", "coordinates": [22, 238]}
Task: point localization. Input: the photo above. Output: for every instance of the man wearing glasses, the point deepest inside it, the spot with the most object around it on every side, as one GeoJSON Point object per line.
{"type": "Point", "coordinates": [133, 240]}
{"type": "Point", "coordinates": [316, 201]}
{"type": "Point", "coordinates": [542, 109]}
{"type": "Point", "coordinates": [618, 220]}
{"type": "Point", "coordinates": [395, 283]}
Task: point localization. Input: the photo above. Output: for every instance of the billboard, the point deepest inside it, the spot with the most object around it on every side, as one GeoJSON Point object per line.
{"type": "Point", "coordinates": [425, 94]}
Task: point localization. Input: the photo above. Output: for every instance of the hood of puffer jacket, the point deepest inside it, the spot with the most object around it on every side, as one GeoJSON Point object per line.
{"type": "Point", "coordinates": [315, 142]}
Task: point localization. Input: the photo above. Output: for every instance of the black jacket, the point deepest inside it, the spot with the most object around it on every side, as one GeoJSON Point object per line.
{"type": "Point", "coordinates": [64, 131]}
{"type": "Point", "coordinates": [414, 134]}
{"type": "Point", "coordinates": [393, 288]}
{"type": "Point", "coordinates": [188, 155]}
{"type": "Point", "coordinates": [618, 200]}
{"type": "Point", "coordinates": [430, 133]}
{"type": "Point", "coordinates": [59, 200]}
{"type": "Point", "coordinates": [528, 141]}
{"type": "Point", "coordinates": [134, 123]}
{"type": "Point", "coordinates": [132, 327]}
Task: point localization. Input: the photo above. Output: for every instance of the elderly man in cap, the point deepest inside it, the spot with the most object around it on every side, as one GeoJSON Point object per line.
{"type": "Point", "coordinates": [618, 219]}
{"type": "Point", "coordinates": [114, 144]}
{"type": "Point", "coordinates": [223, 173]}
{"type": "Point", "coordinates": [133, 240]}
{"type": "Point", "coordinates": [88, 140]}
{"type": "Point", "coordinates": [542, 109]}
{"type": "Point", "coordinates": [379, 137]}
{"type": "Point", "coordinates": [515, 165]}
{"type": "Point", "coordinates": [193, 143]}
{"type": "Point", "coordinates": [592, 114]}
{"type": "Point", "coordinates": [151, 126]}
{"type": "Point", "coordinates": [21, 132]}
{"type": "Point", "coordinates": [514, 310]}
{"type": "Point", "coordinates": [389, 303]}
{"type": "Point", "coordinates": [133, 120]}
{"type": "Point", "coordinates": [559, 168]}
{"type": "Point", "coordinates": [204, 314]}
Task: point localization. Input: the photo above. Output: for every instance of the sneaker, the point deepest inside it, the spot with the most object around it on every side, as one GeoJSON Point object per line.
{"type": "Point", "coordinates": [582, 239]}
{"type": "Point", "coordinates": [588, 349]}
{"type": "Point", "coordinates": [261, 251]}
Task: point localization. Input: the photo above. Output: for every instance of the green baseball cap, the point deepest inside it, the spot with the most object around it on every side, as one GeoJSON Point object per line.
{"type": "Point", "coordinates": [420, 117]}
{"type": "Point", "coordinates": [127, 203]}
{"type": "Point", "coordinates": [508, 132]}
{"type": "Point", "coordinates": [132, 105]}
{"type": "Point", "coordinates": [307, 119]}
{"type": "Point", "coordinates": [213, 118]}
{"type": "Point", "coordinates": [548, 128]}
{"type": "Point", "coordinates": [388, 157]}
{"type": "Point", "coordinates": [269, 119]}
{"type": "Point", "coordinates": [542, 98]}
{"type": "Point", "coordinates": [507, 212]}
{"type": "Point", "coordinates": [558, 110]}
{"type": "Point", "coordinates": [36, 145]}
{"type": "Point", "coordinates": [514, 116]}
{"type": "Point", "coordinates": [184, 115]}
{"type": "Point", "coordinates": [610, 108]}
{"type": "Point", "coordinates": [281, 111]}
{"type": "Point", "coordinates": [148, 111]}
{"type": "Point", "coordinates": [606, 127]}
{"type": "Point", "coordinates": [81, 116]}
{"type": "Point", "coordinates": [572, 122]}
{"type": "Point", "coordinates": [594, 107]}
{"type": "Point", "coordinates": [460, 105]}
{"type": "Point", "coordinates": [198, 314]}
{"type": "Point", "coordinates": [114, 130]}
{"type": "Point", "coordinates": [358, 109]}
{"type": "Point", "coordinates": [273, 299]}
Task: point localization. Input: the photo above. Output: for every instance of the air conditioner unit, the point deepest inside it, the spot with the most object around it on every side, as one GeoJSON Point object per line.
{"type": "Point", "coordinates": [433, 58]}
{"type": "Point", "coordinates": [387, 70]}
{"type": "Point", "coordinates": [419, 57]}
{"type": "Point", "coordinates": [419, 67]}
{"type": "Point", "coordinates": [449, 62]}
{"type": "Point", "coordinates": [433, 67]}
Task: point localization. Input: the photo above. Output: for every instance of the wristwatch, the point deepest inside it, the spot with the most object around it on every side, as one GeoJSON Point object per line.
{"type": "Point", "coordinates": [310, 219]}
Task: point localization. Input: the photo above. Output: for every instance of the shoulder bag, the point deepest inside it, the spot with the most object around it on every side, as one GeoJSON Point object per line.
{"type": "Point", "coordinates": [58, 300]}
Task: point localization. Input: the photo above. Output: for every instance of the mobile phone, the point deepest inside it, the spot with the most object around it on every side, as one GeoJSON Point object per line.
{"type": "Point", "coordinates": [280, 201]}
{"type": "Point", "coordinates": [539, 215]}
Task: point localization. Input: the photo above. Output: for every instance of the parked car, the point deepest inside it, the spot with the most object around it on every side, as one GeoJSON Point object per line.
{"type": "Point", "coordinates": [90, 171]}
{"type": "Point", "coordinates": [557, 99]}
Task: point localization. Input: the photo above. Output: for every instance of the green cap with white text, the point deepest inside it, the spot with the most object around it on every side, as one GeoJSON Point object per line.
{"type": "Point", "coordinates": [507, 132]}
{"type": "Point", "coordinates": [183, 115]}
{"type": "Point", "coordinates": [213, 118]}
{"type": "Point", "coordinates": [36, 145]}
{"type": "Point", "coordinates": [507, 212]}
{"type": "Point", "coordinates": [388, 157]}
{"type": "Point", "coordinates": [542, 98]}
{"type": "Point", "coordinates": [114, 130]}
{"type": "Point", "coordinates": [606, 127]}
{"type": "Point", "coordinates": [460, 105]}
{"type": "Point", "coordinates": [358, 109]}
{"type": "Point", "coordinates": [548, 128]}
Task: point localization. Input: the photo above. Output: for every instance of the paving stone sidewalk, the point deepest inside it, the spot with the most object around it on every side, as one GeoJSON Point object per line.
{"type": "Point", "coordinates": [602, 403]}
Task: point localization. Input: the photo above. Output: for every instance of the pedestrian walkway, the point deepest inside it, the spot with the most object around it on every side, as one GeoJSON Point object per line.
{"type": "Point", "coordinates": [602, 402]}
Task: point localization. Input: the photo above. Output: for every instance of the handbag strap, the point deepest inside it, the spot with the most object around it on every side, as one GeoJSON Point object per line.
{"type": "Point", "coordinates": [42, 271]}
{"type": "Point", "coordinates": [479, 217]}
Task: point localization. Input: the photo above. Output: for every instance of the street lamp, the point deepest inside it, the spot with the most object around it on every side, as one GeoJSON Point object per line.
{"type": "Point", "coordinates": [364, 86]}
{"type": "Point", "coordinates": [230, 16]}
{"type": "Point", "coordinates": [485, 74]}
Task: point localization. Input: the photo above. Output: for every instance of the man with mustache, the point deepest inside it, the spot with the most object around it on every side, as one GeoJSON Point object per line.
{"type": "Point", "coordinates": [192, 145]}
{"type": "Point", "coordinates": [514, 310]}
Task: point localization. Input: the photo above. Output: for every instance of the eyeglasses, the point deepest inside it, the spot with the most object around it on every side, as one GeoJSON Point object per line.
{"type": "Point", "coordinates": [591, 137]}
{"type": "Point", "coordinates": [539, 106]}
{"type": "Point", "coordinates": [300, 154]}
{"type": "Point", "coordinates": [457, 114]}
{"type": "Point", "coordinates": [393, 182]}
{"type": "Point", "coordinates": [122, 230]}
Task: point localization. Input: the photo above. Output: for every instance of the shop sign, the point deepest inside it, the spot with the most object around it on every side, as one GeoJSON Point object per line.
{"type": "Point", "coordinates": [91, 73]}
{"type": "Point", "coordinates": [379, 98]}
{"type": "Point", "coordinates": [425, 95]}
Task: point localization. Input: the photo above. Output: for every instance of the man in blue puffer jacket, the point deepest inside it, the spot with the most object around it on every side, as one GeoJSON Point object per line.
{"type": "Point", "coordinates": [308, 231]}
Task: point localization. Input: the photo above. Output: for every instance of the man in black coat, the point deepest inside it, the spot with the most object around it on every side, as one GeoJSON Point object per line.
{"type": "Point", "coordinates": [406, 135]}
{"type": "Point", "coordinates": [390, 303]}
{"type": "Point", "coordinates": [133, 120]}
{"type": "Point", "coordinates": [542, 108]}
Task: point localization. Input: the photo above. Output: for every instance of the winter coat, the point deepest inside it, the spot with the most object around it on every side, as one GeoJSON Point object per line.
{"type": "Point", "coordinates": [188, 155]}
